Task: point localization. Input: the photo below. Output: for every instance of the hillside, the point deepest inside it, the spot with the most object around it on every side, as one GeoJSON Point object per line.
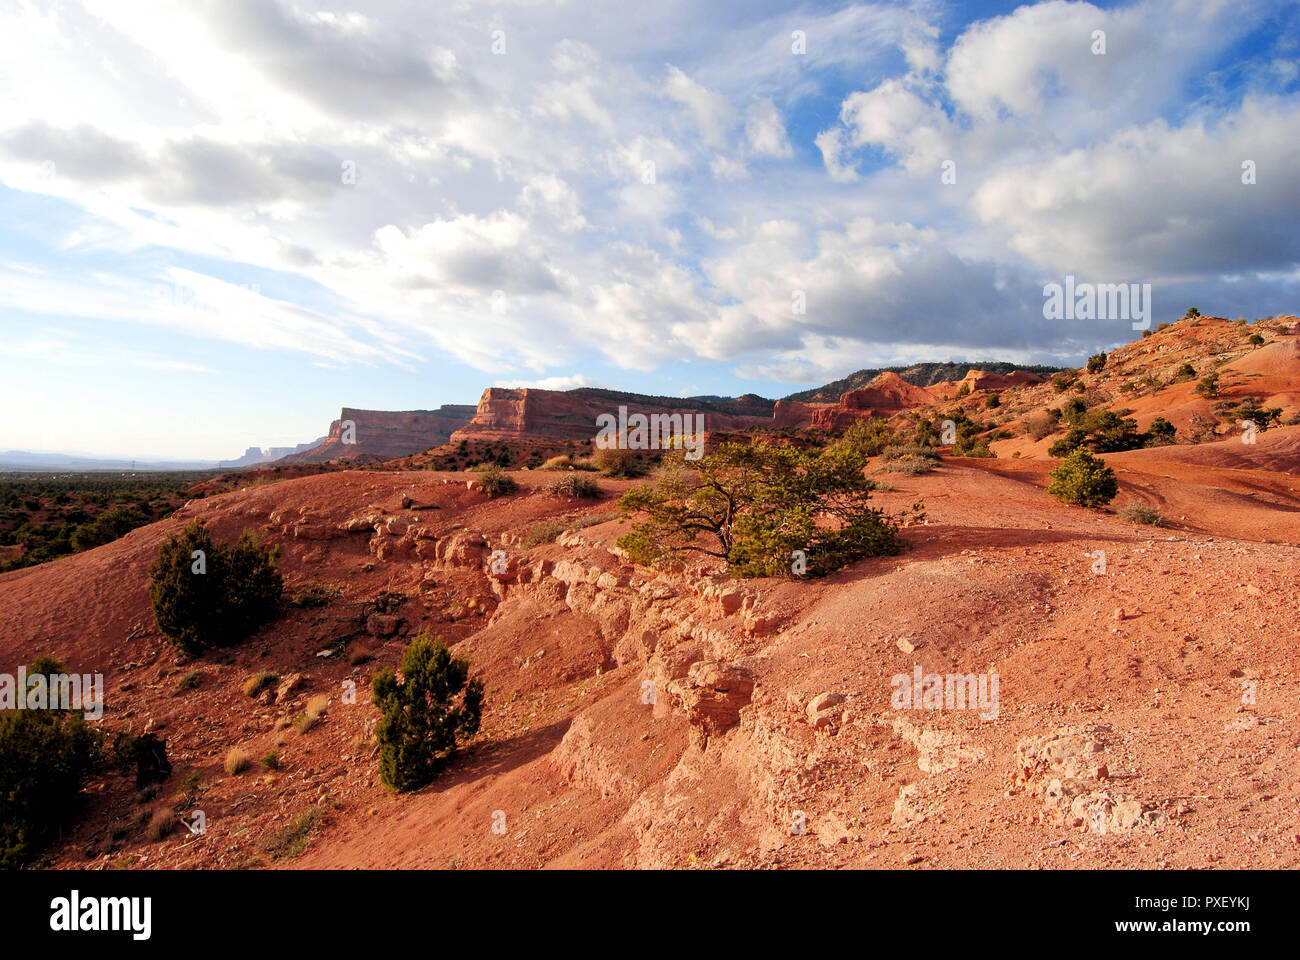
{"type": "Point", "coordinates": [918, 374]}
{"type": "Point", "coordinates": [587, 774]}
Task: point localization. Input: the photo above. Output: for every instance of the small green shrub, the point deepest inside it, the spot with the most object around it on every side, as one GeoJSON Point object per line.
{"type": "Point", "coordinates": [545, 532]}
{"type": "Point", "coordinates": [910, 465]}
{"type": "Point", "coordinates": [1208, 386]}
{"type": "Point", "coordinates": [1256, 340]}
{"type": "Point", "coordinates": [46, 756]}
{"type": "Point", "coordinates": [206, 593]}
{"type": "Point", "coordinates": [421, 719]}
{"type": "Point", "coordinates": [1137, 512]}
{"type": "Point", "coordinates": [1085, 480]}
{"type": "Point", "coordinates": [1096, 363]}
{"type": "Point", "coordinates": [494, 482]}
{"type": "Point", "coordinates": [1161, 433]}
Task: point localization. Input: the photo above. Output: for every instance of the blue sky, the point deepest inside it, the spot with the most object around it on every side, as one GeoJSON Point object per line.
{"type": "Point", "coordinates": [219, 224]}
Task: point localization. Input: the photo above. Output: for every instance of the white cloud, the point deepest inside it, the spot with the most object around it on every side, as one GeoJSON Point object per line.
{"type": "Point", "coordinates": [766, 130]}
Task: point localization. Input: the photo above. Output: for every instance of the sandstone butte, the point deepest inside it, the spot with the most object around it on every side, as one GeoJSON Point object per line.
{"type": "Point", "coordinates": [638, 718]}
{"type": "Point", "coordinates": [383, 435]}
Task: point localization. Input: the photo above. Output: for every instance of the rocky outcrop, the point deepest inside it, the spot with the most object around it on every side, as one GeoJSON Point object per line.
{"type": "Point", "coordinates": [885, 396]}
{"type": "Point", "coordinates": [384, 435]}
{"type": "Point", "coordinates": [977, 380]}
{"type": "Point", "coordinates": [571, 415]}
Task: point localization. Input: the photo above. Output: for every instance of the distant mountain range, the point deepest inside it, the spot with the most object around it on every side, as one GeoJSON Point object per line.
{"type": "Point", "coordinates": [381, 435]}
{"type": "Point", "coordinates": [253, 456]}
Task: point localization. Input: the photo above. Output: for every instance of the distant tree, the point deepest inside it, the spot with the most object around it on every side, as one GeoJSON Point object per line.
{"type": "Point", "coordinates": [1208, 386]}
{"type": "Point", "coordinates": [1192, 312]}
{"type": "Point", "coordinates": [1096, 362]}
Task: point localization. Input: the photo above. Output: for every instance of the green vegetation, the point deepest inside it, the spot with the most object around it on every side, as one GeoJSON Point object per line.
{"type": "Point", "coordinates": [869, 437]}
{"type": "Point", "coordinates": [1185, 372]}
{"type": "Point", "coordinates": [46, 757]}
{"type": "Point", "coordinates": [421, 720]}
{"type": "Point", "coordinates": [53, 515]}
{"type": "Point", "coordinates": [757, 504]}
{"type": "Point", "coordinates": [1161, 433]}
{"type": "Point", "coordinates": [1096, 363]}
{"type": "Point", "coordinates": [494, 482]}
{"type": "Point", "coordinates": [572, 486]}
{"type": "Point", "coordinates": [968, 443]}
{"type": "Point", "coordinates": [1261, 417]}
{"type": "Point", "coordinates": [1085, 480]}
{"type": "Point", "coordinates": [1208, 386]}
{"type": "Point", "coordinates": [291, 840]}
{"type": "Point", "coordinates": [1137, 512]}
{"type": "Point", "coordinates": [206, 593]}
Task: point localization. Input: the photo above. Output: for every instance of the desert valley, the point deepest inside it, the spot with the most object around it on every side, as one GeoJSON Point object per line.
{"type": "Point", "coordinates": [1143, 655]}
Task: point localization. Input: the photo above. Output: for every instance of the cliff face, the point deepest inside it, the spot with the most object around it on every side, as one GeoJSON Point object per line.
{"type": "Point", "coordinates": [385, 435]}
{"type": "Point", "coordinates": [552, 414]}
{"type": "Point", "coordinates": [985, 380]}
{"type": "Point", "coordinates": [885, 396]}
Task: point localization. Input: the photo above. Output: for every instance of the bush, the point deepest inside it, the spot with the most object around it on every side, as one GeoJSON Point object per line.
{"type": "Point", "coordinates": [1208, 386]}
{"type": "Point", "coordinates": [236, 761]}
{"type": "Point", "coordinates": [1096, 363]}
{"type": "Point", "coordinates": [616, 462]}
{"type": "Point", "coordinates": [1161, 433]}
{"type": "Point", "coordinates": [259, 682]}
{"type": "Point", "coordinates": [756, 504]}
{"type": "Point", "coordinates": [869, 437]}
{"type": "Point", "coordinates": [420, 719]}
{"type": "Point", "coordinates": [1185, 372]}
{"type": "Point", "coordinates": [1191, 312]}
{"type": "Point", "coordinates": [903, 452]}
{"type": "Point", "coordinates": [1137, 512]}
{"type": "Point", "coordinates": [1255, 340]}
{"type": "Point", "coordinates": [1085, 480]}
{"type": "Point", "coordinates": [46, 757]}
{"type": "Point", "coordinates": [910, 464]}
{"type": "Point", "coordinates": [562, 462]}
{"type": "Point", "coordinates": [964, 391]}
{"type": "Point", "coordinates": [236, 593]}
{"type": "Point", "coordinates": [545, 532]}
{"type": "Point", "coordinates": [271, 761]}
{"type": "Point", "coordinates": [992, 401]}
{"type": "Point", "coordinates": [494, 482]}
{"type": "Point", "coordinates": [572, 485]}
{"type": "Point", "coordinates": [161, 823]}
{"type": "Point", "coordinates": [1040, 426]}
